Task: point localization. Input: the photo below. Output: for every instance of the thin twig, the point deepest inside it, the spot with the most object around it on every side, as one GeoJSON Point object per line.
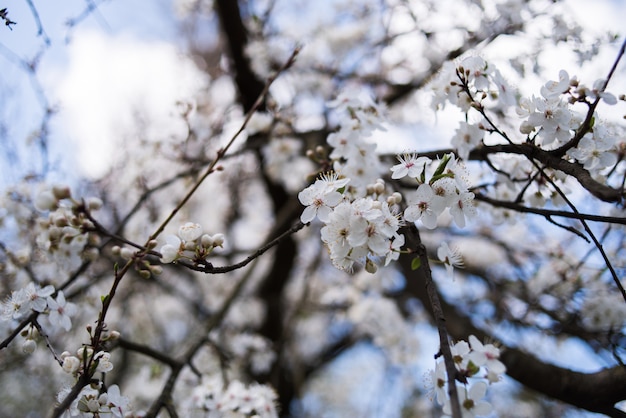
{"type": "Point", "coordinates": [549, 212]}
{"type": "Point", "coordinates": [213, 166]}
{"type": "Point", "coordinates": [210, 269]}
{"type": "Point", "coordinates": [40, 31]}
{"type": "Point", "coordinates": [587, 123]}
{"type": "Point", "coordinates": [47, 340]}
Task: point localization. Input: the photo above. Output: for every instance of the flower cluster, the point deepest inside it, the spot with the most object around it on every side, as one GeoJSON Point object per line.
{"type": "Point", "coordinates": [100, 362]}
{"type": "Point", "coordinates": [554, 121]}
{"type": "Point", "coordinates": [23, 301]}
{"type": "Point", "coordinates": [447, 188]}
{"type": "Point", "coordinates": [66, 231]}
{"type": "Point", "coordinates": [474, 360]}
{"type": "Point", "coordinates": [34, 298]}
{"type": "Point", "coordinates": [549, 114]}
{"type": "Point", "coordinates": [353, 154]}
{"type": "Point", "coordinates": [93, 401]}
{"type": "Point", "coordinates": [360, 219]}
{"type": "Point", "coordinates": [190, 243]}
{"type": "Point", "coordinates": [360, 230]}
{"type": "Point", "coordinates": [603, 310]}
{"type": "Point", "coordinates": [596, 150]}
{"type": "Point", "coordinates": [234, 400]}
{"type": "Point", "coordinates": [467, 85]}
{"type": "Point", "coordinates": [360, 223]}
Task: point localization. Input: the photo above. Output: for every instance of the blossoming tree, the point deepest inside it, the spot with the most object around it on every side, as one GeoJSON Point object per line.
{"type": "Point", "coordinates": [231, 272]}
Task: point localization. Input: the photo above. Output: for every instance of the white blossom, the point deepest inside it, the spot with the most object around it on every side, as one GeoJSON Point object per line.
{"type": "Point", "coordinates": [61, 311]}
{"type": "Point", "coordinates": [410, 165]}
{"type": "Point", "coordinates": [424, 206]}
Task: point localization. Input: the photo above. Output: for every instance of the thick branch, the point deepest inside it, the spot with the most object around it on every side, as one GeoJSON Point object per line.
{"type": "Point", "coordinates": [423, 275]}
{"type": "Point", "coordinates": [599, 190]}
{"type": "Point", "coordinates": [249, 86]}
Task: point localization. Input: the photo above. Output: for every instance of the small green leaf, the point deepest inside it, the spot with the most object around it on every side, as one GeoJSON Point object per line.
{"type": "Point", "coordinates": [104, 298]}
{"type": "Point", "coordinates": [442, 165]}
{"type": "Point", "coordinates": [472, 369]}
{"type": "Point", "coordinates": [434, 178]}
{"type": "Point", "coordinates": [416, 263]}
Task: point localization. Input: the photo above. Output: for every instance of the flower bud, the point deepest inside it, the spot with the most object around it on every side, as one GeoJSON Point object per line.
{"type": "Point", "coordinates": [46, 201]}
{"type": "Point", "coordinates": [59, 219]}
{"type": "Point", "coordinates": [92, 405]}
{"type": "Point", "coordinates": [370, 266]}
{"type": "Point", "coordinates": [91, 254]}
{"type": "Point", "coordinates": [94, 240]}
{"type": "Point", "coordinates": [71, 364]}
{"type": "Point", "coordinates": [54, 233]}
{"type": "Point", "coordinates": [84, 352]}
{"type": "Point", "coordinates": [169, 253]}
{"type": "Point", "coordinates": [206, 241]}
{"type": "Point", "coordinates": [126, 253]}
{"type": "Point", "coordinates": [29, 346]}
{"type": "Point", "coordinates": [379, 188]}
{"type": "Point", "coordinates": [93, 203]}
{"type": "Point", "coordinates": [61, 192]}
{"type": "Point", "coordinates": [218, 240]}
{"type": "Point", "coordinates": [526, 128]}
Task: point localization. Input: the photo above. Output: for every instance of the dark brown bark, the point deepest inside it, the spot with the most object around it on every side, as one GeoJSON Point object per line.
{"type": "Point", "coordinates": [273, 285]}
{"type": "Point", "coordinates": [248, 84]}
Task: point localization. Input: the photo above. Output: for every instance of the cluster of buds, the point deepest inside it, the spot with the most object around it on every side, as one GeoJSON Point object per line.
{"type": "Point", "coordinates": [143, 267]}
{"type": "Point", "coordinates": [190, 243]}
{"type": "Point", "coordinates": [100, 362]}
{"type": "Point", "coordinates": [67, 229]}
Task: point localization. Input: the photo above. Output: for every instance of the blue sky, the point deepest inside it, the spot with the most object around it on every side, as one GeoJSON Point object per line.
{"type": "Point", "coordinates": [80, 71]}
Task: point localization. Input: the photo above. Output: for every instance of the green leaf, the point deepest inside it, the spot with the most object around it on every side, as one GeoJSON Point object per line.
{"type": "Point", "coordinates": [442, 165]}
{"type": "Point", "coordinates": [416, 263]}
{"type": "Point", "coordinates": [434, 178]}
{"type": "Point", "coordinates": [472, 369]}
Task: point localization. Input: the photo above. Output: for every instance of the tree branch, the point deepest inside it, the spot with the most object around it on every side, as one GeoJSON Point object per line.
{"type": "Point", "coordinates": [596, 392]}
{"type": "Point", "coordinates": [599, 190]}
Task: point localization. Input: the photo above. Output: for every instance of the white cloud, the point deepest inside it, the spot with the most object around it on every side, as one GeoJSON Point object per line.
{"type": "Point", "coordinates": [112, 83]}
